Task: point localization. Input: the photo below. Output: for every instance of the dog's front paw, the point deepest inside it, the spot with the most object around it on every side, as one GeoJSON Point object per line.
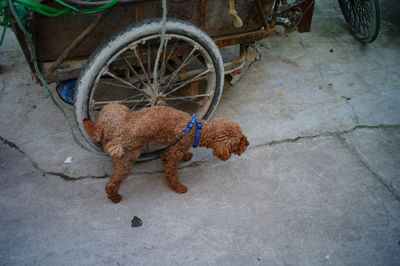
{"type": "Point", "coordinates": [115, 198]}
{"type": "Point", "coordinates": [179, 188]}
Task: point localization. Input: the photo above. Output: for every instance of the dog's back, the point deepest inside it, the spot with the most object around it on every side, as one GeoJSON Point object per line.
{"type": "Point", "coordinates": [156, 124]}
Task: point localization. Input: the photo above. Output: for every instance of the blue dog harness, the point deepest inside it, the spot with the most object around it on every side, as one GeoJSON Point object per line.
{"type": "Point", "coordinates": [191, 124]}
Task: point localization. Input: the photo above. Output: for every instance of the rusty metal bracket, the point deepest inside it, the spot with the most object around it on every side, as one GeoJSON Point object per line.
{"type": "Point", "coordinates": [247, 37]}
{"type": "Point", "coordinates": [236, 65]}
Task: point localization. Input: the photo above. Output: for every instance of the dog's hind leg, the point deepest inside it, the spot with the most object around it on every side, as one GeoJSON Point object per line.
{"type": "Point", "coordinates": [122, 169]}
{"type": "Point", "coordinates": [170, 159]}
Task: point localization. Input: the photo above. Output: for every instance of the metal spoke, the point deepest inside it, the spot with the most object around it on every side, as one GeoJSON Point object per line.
{"type": "Point", "coordinates": [188, 97]}
{"type": "Point", "coordinates": [141, 100]}
{"type": "Point", "coordinates": [176, 73]}
{"type": "Point", "coordinates": [184, 63]}
{"type": "Point", "coordinates": [168, 57]}
{"type": "Point", "coordinates": [141, 65]}
{"type": "Point", "coordinates": [115, 85]}
{"type": "Point", "coordinates": [148, 57]}
{"type": "Point", "coordinates": [126, 102]}
{"type": "Point", "coordinates": [189, 81]}
{"type": "Point", "coordinates": [179, 83]}
{"type": "Point", "coordinates": [99, 105]}
{"type": "Point", "coordinates": [108, 73]}
{"type": "Point", "coordinates": [130, 98]}
{"type": "Point", "coordinates": [133, 70]}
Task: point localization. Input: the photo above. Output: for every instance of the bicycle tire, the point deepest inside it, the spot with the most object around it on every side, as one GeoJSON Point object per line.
{"type": "Point", "coordinates": [363, 17]}
{"type": "Point", "coordinates": [122, 39]}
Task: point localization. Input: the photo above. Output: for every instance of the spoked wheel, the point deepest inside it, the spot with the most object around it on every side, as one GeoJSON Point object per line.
{"type": "Point", "coordinates": [364, 18]}
{"type": "Point", "coordinates": [189, 74]}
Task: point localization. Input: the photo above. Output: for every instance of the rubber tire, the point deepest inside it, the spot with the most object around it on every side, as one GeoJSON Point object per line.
{"type": "Point", "coordinates": [376, 20]}
{"type": "Point", "coordinates": [123, 38]}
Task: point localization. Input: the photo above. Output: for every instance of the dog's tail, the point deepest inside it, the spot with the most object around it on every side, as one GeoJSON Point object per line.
{"type": "Point", "coordinates": [115, 148]}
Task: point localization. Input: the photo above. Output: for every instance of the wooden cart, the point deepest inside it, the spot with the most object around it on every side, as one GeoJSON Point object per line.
{"type": "Point", "coordinates": [110, 55]}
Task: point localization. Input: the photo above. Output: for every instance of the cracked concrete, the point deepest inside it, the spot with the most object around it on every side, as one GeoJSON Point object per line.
{"type": "Point", "coordinates": [371, 146]}
{"type": "Point", "coordinates": [319, 184]}
{"type": "Point", "coordinates": [43, 172]}
{"type": "Point", "coordinates": [280, 108]}
{"type": "Point", "coordinates": [198, 163]}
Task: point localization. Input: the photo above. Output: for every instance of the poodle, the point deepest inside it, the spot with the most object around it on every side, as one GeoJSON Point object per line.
{"type": "Point", "coordinates": [123, 134]}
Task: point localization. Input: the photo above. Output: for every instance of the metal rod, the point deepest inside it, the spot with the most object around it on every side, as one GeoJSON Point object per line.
{"type": "Point", "coordinates": [246, 37]}
{"type": "Point", "coordinates": [184, 63]}
{"type": "Point", "coordinates": [203, 14]}
{"type": "Point", "coordinates": [133, 71]}
{"type": "Point", "coordinates": [261, 15]}
{"type": "Point", "coordinates": [138, 12]}
{"type": "Point", "coordinates": [141, 65]}
{"type": "Point", "coordinates": [23, 42]}
{"type": "Point", "coordinates": [276, 5]}
{"type": "Point", "coordinates": [108, 73]}
{"type": "Point", "coordinates": [77, 42]}
{"type": "Point", "coordinates": [187, 82]}
{"type": "Point", "coordinates": [188, 97]}
{"type": "Point", "coordinates": [141, 100]}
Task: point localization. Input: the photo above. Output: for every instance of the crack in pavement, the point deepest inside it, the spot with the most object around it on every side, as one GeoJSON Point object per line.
{"type": "Point", "coordinates": [325, 134]}
{"type": "Point", "coordinates": [378, 177]}
{"type": "Point", "coordinates": [337, 135]}
{"type": "Point", "coordinates": [71, 178]}
{"type": "Point", "coordinates": [352, 108]}
{"type": "Point", "coordinates": [198, 163]}
{"type": "Point", "coordinates": [43, 172]}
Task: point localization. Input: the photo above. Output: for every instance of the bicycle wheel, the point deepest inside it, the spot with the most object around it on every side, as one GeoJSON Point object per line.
{"type": "Point", "coordinates": [364, 18]}
{"type": "Point", "coordinates": [190, 73]}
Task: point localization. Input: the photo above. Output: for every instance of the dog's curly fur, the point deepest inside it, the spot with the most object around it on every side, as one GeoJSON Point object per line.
{"type": "Point", "coordinates": [123, 134]}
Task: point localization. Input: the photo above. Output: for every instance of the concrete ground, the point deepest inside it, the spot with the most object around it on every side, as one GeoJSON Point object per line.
{"type": "Point", "coordinates": [319, 184]}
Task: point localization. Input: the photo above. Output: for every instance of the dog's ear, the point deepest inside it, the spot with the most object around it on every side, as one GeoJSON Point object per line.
{"type": "Point", "coordinates": [221, 150]}
{"type": "Point", "coordinates": [242, 145]}
{"type": "Point", "coordinates": [92, 129]}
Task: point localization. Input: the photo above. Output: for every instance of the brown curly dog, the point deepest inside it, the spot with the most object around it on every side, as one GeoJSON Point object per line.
{"type": "Point", "coordinates": [123, 134]}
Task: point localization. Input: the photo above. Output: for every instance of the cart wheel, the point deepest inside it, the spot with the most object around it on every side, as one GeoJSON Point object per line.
{"type": "Point", "coordinates": [364, 18]}
{"type": "Point", "coordinates": [190, 73]}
